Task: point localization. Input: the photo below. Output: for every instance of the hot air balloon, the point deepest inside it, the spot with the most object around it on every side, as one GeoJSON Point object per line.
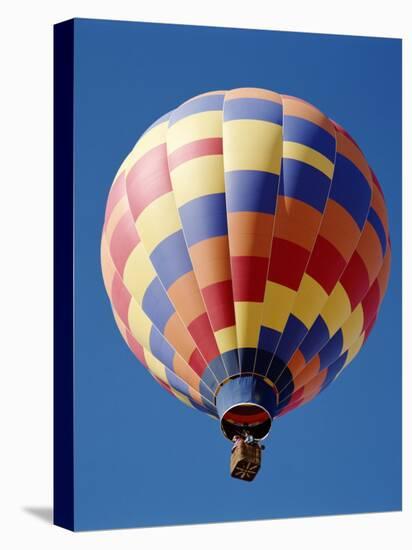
{"type": "Point", "coordinates": [245, 252]}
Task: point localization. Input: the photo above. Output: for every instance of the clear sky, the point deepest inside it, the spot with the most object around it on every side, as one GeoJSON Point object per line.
{"type": "Point", "coordinates": [141, 457]}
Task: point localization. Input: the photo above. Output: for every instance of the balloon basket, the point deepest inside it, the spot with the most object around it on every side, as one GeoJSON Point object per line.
{"type": "Point", "coordinates": [245, 461]}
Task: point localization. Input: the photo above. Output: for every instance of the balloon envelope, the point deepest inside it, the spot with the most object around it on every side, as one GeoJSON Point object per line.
{"type": "Point", "coordinates": [245, 252]}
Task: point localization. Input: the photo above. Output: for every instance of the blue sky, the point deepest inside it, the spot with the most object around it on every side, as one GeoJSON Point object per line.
{"type": "Point", "coordinates": [339, 454]}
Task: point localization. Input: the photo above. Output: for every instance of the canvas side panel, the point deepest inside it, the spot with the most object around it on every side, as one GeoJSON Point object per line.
{"type": "Point", "coordinates": [63, 498]}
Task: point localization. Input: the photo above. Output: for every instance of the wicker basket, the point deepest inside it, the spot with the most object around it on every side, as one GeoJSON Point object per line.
{"type": "Point", "coordinates": [245, 461]}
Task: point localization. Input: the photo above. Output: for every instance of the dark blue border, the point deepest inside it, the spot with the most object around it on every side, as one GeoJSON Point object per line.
{"type": "Point", "coordinates": [63, 455]}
